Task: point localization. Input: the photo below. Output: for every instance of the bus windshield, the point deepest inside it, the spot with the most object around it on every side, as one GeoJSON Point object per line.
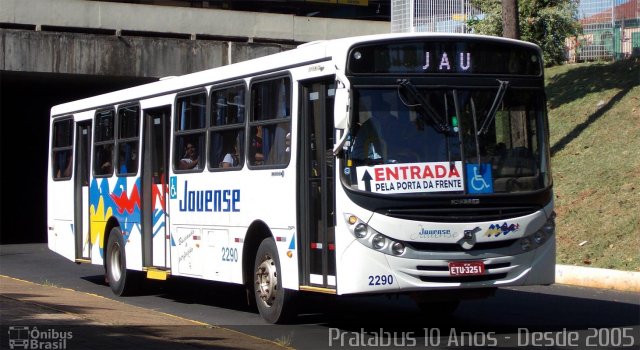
{"type": "Point", "coordinates": [404, 138]}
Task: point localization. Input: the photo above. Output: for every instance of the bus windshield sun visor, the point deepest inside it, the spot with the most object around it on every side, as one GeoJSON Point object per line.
{"type": "Point", "coordinates": [494, 107]}
{"type": "Point", "coordinates": [418, 102]}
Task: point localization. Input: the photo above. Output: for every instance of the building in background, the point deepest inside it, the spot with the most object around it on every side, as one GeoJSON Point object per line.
{"type": "Point", "coordinates": [611, 31]}
{"type": "Point", "coordinates": [448, 16]}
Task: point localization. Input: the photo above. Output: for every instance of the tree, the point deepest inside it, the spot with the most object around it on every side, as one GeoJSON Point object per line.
{"type": "Point", "coordinates": [510, 19]}
{"type": "Point", "coordinates": [546, 23]}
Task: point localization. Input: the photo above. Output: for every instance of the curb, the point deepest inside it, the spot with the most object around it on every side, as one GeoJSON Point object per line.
{"type": "Point", "coordinates": [593, 277]}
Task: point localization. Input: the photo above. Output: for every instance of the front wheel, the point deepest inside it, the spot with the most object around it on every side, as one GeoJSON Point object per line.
{"type": "Point", "coordinates": [275, 303]}
{"type": "Point", "coordinates": [121, 280]}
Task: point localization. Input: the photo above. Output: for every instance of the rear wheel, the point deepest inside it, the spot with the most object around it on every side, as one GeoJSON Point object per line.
{"type": "Point", "coordinates": [275, 303]}
{"type": "Point", "coordinates": [121, 280]}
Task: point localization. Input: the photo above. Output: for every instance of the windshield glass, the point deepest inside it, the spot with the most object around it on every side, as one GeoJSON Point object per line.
{"type": "Point", "coordinates": [461, 141]}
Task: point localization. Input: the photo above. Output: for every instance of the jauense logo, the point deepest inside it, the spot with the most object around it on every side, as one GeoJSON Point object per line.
{"type": "Point", "coordinates": [429, 233]}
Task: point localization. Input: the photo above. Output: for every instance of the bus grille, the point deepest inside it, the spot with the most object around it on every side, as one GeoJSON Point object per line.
{"type": "Point", "coordinates": [455, 247]}
{"type": "Point", "coordinates": [460, 214]}
{"type": "Point", "coordinates": [462, 279]}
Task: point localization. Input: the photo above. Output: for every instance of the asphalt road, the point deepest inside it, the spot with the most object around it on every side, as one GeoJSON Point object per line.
{"type": "Point", "coordinates": [525, 317]}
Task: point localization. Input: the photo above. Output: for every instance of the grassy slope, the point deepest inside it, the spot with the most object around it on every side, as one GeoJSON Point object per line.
{"type": "Point", "coordinates": [594, 113]}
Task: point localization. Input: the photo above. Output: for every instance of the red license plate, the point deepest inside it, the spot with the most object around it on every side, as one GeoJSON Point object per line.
{"type": "Point", "coordinates": [468, 268]}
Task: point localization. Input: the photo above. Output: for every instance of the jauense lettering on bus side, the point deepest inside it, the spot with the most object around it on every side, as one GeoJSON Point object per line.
{"type": "Point", "coordinates": [411, 178]}
{"type": "Point", "coordinates": [205, 200]}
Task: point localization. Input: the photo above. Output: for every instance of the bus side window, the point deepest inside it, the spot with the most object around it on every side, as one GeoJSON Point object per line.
{"type": "Point", "coordinates": [128, 140]}
{"type": "Point", "coordinates": [103, 142]}
{"type": "Point", "coordinates": [270, 122]}
{"type": "Point", "coordinates": [62, 152]}
{"type": "Point", "coordinates": [189, 145]}
{"type": "Point", "coordinates": [279, 151]}
{"type": "Point", "coordinates": [226, 130]}
{"type": "Point", "coordinates": [103, 164]}
{"type": "Point", "coordinates": [62, 164]}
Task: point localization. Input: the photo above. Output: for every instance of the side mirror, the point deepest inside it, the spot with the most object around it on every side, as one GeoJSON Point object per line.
{"type": "Point", "coordinates": [341, 109]}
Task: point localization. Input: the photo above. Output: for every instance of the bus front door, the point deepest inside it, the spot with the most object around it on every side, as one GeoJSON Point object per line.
{"type": "Point", "coordinates": [81, 192]}
{"type": "Point", "coordinates": [154, 178]}
{"type": "Point", "coordinates": [316, 213]}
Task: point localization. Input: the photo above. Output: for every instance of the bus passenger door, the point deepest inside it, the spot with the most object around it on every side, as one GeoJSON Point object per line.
{"type": "Point", "coordinates": [154, 187]}
{"type": "Point", "coordinates": [81, 192]}
{"type": "Point", "coordinates": [316, 213]}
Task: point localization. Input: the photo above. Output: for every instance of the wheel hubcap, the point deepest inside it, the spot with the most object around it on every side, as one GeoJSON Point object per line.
{"type": "Point", "coordinates": [267, 281]}
{"type": "Point", "coordinates": [115, 262]}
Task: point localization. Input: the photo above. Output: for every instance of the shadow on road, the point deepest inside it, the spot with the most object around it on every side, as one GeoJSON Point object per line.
{"type": "Point", "coordinates": [508, 310]}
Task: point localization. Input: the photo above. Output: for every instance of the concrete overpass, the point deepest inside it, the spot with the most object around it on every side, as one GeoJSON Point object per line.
{"type": "Point", "coordinates": [53, 51]}
{"type": "Point", "coordinates": [105, 38]}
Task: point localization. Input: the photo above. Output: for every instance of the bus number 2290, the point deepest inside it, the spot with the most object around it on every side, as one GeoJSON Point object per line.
{"type": "Point", "coordinates": [380, 280]}
{"type": "Point", "coordinates": [229, 254]}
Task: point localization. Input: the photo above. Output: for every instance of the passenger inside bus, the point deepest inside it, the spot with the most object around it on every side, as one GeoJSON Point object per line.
{"type": "Point", "coordinates": [256, 147]}
{"type": "Point", "coordinates": [104, 158]}
{"type": "Point", "coordinates": [127, 160]}
{"type": "Point", "coordinates": [106, 167]}
{"type": "Point", "coordinates": [64, 164]}
{"type": "Point", "coordinates": [231, 157]}
{"type": "Point", "coordinates": [190, 158]}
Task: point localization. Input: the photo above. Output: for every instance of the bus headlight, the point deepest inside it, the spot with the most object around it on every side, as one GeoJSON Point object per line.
{"type": "Point", "coordinates": [525, 244]}
{"type": "Point", "coordinates": [397, 248]}
{"type": "Point", "coordinates": [378, 241]}
{"type": "Point", "coordinates": [361, 230]}
{"type": "Point", "coordinates": [539, 237]}
{"type": "Point", "coordinates": [549, 227]}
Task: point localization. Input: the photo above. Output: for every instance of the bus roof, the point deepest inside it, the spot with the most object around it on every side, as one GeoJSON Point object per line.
{"type": "Point", "coordinates": [317, 51]}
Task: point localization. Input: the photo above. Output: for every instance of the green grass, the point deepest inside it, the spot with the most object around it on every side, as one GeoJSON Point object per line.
{"type": "Point", "coordinates": [594, 115]}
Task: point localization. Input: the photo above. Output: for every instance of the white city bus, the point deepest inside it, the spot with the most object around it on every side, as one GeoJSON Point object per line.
{"type": "Point", "coordinates": [391, 164]}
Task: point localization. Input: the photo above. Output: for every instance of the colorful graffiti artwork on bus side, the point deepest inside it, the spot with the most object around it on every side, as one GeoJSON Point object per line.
{"type": "Point", "coordinates": [121, 203]}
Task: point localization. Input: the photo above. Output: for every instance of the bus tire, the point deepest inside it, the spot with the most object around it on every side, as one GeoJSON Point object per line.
{"type": "Point", "coordinates": [275, 304]}
{"type": "Point", "coordinates": [121, 280]}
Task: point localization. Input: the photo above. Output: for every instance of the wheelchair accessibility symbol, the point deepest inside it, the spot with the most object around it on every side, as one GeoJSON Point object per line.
{"type": "Point", "coordinates": [173, 187]}
{"type": "Point", "coordinates": [479, 179]}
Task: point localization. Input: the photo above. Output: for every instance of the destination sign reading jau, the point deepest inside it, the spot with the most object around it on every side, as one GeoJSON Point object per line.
{"type": "Point", "coordinates": [470, 56]}
{"type": "Point", "coordinates": [443, 63]}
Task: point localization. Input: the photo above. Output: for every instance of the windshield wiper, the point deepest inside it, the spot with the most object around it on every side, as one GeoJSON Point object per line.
{"type": "Point", "coordinates": [423, 107]}
{"type": "Point", "coordinates": [494, 107]}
